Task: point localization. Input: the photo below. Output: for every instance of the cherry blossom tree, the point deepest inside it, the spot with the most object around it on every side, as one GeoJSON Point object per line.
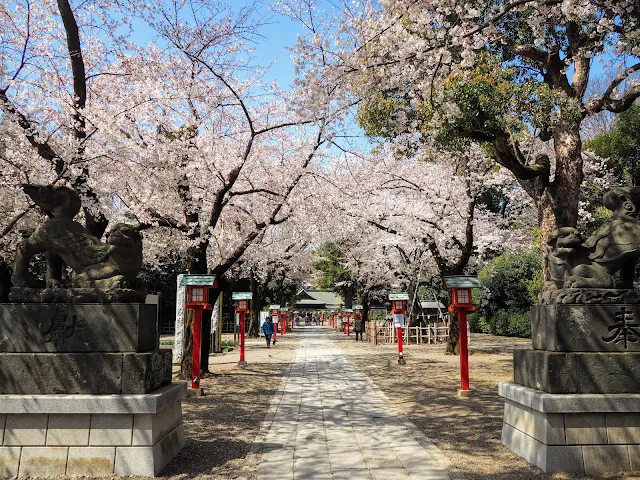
{"type": "Point", "coordinates": [179, 137]}
{"type": "Point", "coordinates": [397, 218]}
{"type": "Point", "coordinates": [485, 72]}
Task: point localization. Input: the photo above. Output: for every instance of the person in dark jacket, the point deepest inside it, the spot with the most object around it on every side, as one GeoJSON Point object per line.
{"type": "Point", "coordinates": [358, 327]}
{"type": "Point", "coordinates": [267, 329]}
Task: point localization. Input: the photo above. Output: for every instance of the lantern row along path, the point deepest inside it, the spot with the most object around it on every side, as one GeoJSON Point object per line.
{"type": "Point", "coordinates": [328, 421]}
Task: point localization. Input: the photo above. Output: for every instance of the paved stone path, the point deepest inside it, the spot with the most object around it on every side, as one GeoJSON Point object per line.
{"type": "Point", "coordinates": [328, 421]}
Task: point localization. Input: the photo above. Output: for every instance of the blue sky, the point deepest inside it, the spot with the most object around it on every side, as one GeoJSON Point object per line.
{"type": "Point", "coordinates": [278, 35]}
{"type": "Point", "coordinates": [281, 33]}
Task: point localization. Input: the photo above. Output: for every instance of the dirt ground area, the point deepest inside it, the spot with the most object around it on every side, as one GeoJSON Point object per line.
{"type": "Point", "coordinates": [466, 430]}
{"type": "Point", "coordinates": [220, 426]}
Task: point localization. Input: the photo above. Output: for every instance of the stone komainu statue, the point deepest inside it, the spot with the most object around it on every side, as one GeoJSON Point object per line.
{"type": "Point", "coordinates": [114, 264]}
{"type": "Point", "coordinates": [607, 259]}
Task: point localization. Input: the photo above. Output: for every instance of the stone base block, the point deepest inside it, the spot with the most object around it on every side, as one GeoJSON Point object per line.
{"type": "Point", "coordinates": [75, 435]}
{"type": "Point", "coordinates": [84, 373]}
{"type": "Point", "coordinates": [74, 328]}
{"type": "Point", "coordinates": [585, 328]}
{"type": "Point", "coordinates": [577, 372]}
{"type": "Point", "coordinates": [587, 434]}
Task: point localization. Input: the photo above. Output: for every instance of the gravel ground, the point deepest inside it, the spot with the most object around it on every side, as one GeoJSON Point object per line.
{"type": "Point", "coordinates": [220, 426]}
{"type": "Point", "coordinates": [466, 430]}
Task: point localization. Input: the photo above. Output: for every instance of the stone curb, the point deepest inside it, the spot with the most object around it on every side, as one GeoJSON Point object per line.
{"type": "Point", "coordinates": [569, 403]}
{"type": "Point", "coordinates": [94, 404]}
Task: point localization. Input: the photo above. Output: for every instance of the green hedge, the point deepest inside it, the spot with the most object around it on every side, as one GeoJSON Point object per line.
{"type": "Point", "coordinates": [510, 286]}
{"type": "Point", "coordinates": [512, 324]}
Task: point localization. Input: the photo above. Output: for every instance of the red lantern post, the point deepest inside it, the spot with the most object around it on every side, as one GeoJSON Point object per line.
{"type": "Point", "coordinates": [398, 310]}
{"type": "Point", "coordinates": [275, 318]}
{"type": "Point", "coordinates": [198, 296]}
{"type": "Point", "coordinates": [461, 303]}
{"type": "Point", "coordinates": [283, 321]}
{"type": "Point", "coordinates": [242, 308]}
{"type": "Point", "coordinates": [357, 314]}
{"type": "Point", "coordinates": [348, 313]}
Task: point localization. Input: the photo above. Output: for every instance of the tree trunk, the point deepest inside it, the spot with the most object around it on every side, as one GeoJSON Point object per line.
{"type": "Point", "coordinates": [365, 306]}
{"type": "Point", "coordinates": [205, 345]}
{"type": "Point", "coordinates": [5, 281]}
{"type": "Point", "coordinates": [186, 364]}
{"type": "Point", "coordinates": [453, 343]}
{"type": "Point", "coordinates": [348, 297]}
{"type": "Point", "coordinates": [565, 189]}
{"type": "Point", "coordinates": [257, 303]}
{"type": "Point", "coordinates": [558, 202]}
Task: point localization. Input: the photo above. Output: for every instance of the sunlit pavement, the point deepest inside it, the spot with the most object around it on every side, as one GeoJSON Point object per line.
{"type": "Point", "coordinates": [329, 421]}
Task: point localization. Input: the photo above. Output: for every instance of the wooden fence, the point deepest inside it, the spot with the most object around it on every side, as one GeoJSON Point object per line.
{"type": "Point", "coordinates": [386, 333]}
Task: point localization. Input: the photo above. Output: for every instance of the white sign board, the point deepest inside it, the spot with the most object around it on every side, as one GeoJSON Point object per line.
{"type": "Point", "coordinates": [398, 320]}
{"type": "Point", "coordinates": [275, 318]}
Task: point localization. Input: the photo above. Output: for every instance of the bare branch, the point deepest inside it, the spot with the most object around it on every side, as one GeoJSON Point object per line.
{"type": "Point", "coordinates": [13, 222]}
{"type": "Point", "coordinates": [605, 102]}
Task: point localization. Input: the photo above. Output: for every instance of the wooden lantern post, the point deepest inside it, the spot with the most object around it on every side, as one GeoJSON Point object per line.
{"type": "Point", "coordinates": [461, 303]}
{"type": "Point", "coordinates": [242, 300]}
{"type": "Point", "coordinates": [398, 310]}
{"type": "Point", "coordinates": [198, 295]}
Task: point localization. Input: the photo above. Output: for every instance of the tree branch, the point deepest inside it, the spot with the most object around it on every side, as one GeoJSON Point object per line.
{"type": "Point", "coordinates": [12, 223]}
{"type": "Point", "coordinates": [605, 102]}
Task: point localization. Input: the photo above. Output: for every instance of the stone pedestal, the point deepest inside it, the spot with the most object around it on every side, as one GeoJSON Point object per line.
{"type": "Point", "coordinates": [85, 391]}
{"type": "Point", "coordinates": [575, 403]}
{"type": "Point", "coordinates": [587, 434]}
{"type": "Point", "coordinates": [577, 372]}
{"type": "Point", "coordinates": [586, 328]}
{"type": "Point", "coordinates": [90, 435]}
{"type": "Point", "coordinates": [76, 328]}
{"type": "Point", "coordinates": [84, 373]}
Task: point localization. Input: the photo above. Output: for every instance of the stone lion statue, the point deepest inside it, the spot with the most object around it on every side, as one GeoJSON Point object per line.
{"type": "Point", "coordinates": [608, 258]}
{"type": "Point", "coordinates": [113, 264]}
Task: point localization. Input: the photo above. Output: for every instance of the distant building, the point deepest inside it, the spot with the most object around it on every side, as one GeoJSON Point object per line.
{"type": "Point", "coordinates": [309, 299]}
{"type": "Point", "coordinates": [433, 312]}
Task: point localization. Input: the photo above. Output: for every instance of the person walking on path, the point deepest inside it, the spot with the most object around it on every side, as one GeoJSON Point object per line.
{"type": "Point", "coordinates": [359, 327]}
{"type": "Point", "coordinates": [267, 329]}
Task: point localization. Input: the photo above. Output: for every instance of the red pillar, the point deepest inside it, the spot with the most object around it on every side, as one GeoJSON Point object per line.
{"type": "Point", "coordinates": [195, 355]}
{"type": "Point", "coordinates": [275, 331]}
{"type": "Point", "coordinates": [348, 325]}
{"type": "Point", "coordinates": [283, 320]}
{"type": "Point", "coordinates": [464, 353]}
{"type": "Point", "coordinates": [400, 342]}
{"type": "Point", "coordinates": [242, 362]}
